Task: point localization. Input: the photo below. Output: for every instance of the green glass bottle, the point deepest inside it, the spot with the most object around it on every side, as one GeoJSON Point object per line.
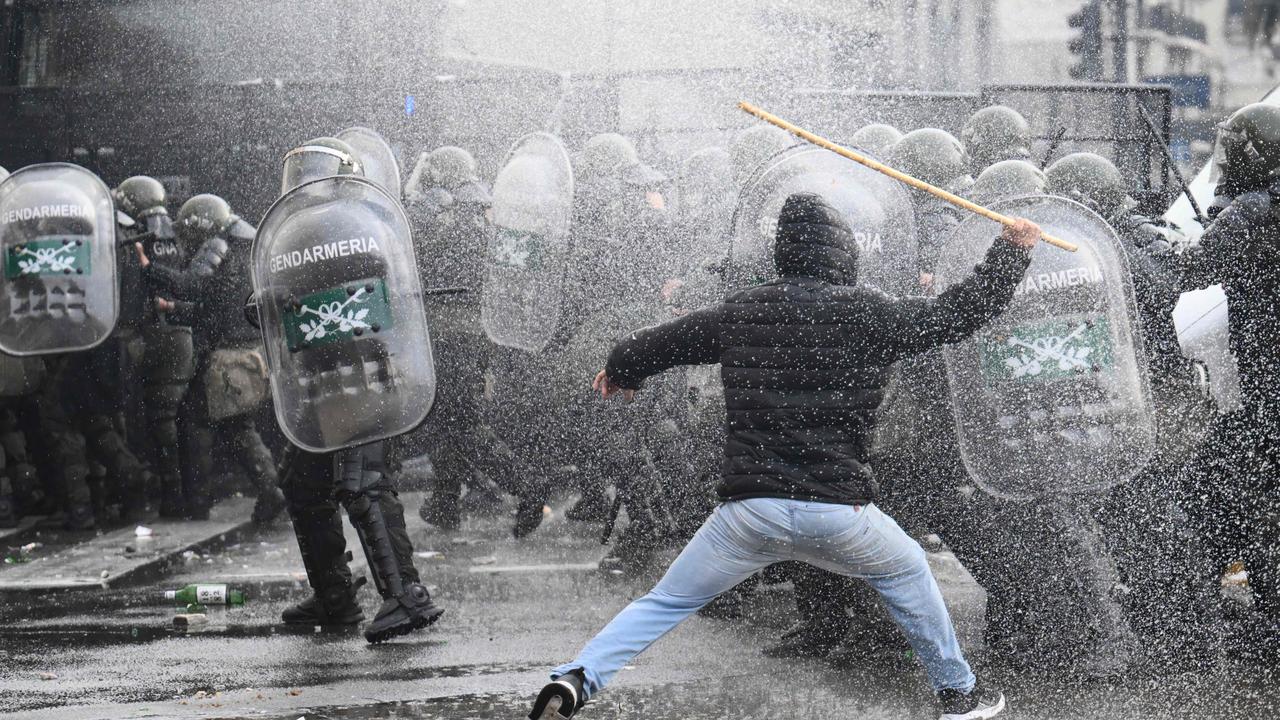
{"type": "Point", "coordinates": [212, 594]}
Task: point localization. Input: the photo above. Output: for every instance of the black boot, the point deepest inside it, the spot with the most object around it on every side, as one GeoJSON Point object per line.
{"type": "Point", "coordinates": [323, 549]}
{"type": "Point", "coordinates": [560, 698]}
{"type": "Point", "coordinates": [378, 517]}
{"type": "Point", "coordinates": [8, 513]}
{"type": "Point", "coordinates": [173, 499]}
{"type": "Point", "coordinates": [442, 509]}
{"type": "Point", "coordinates": [529, 516]}
{"type": "Point", "coordinates": [135, 504]}
{"type": "Point", "coordinates": [593, 506]}
{"type": "Point", "coordinates": [268, 506]}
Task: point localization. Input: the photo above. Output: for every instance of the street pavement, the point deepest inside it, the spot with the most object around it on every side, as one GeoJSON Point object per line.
{"type": "Point", "coordinates": [514, 608]}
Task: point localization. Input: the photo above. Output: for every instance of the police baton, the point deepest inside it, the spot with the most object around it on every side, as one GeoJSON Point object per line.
{"type": "Point", "coordinates": [895, 174]}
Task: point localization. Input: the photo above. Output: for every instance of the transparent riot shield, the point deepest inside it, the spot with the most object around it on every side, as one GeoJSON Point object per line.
{"type": "Point", "coordinates": [532, 212]}
{"type": "Point", "coordinates": [58, 236]}
{"type": "Point", "coordinates": [377, 160]}
{"type": "Point", "coordinates": [1052, 396]}
{"type": "Point", "coordinates": [878, 210]}
{"type": "Point", "coordinates": [342, 317]}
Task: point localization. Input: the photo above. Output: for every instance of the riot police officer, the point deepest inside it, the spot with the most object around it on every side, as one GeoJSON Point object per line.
{"type": "Point", "coordinates": [451, 223]}
{"type": "Point", "coordinates": [357, 478]}
{"type": "Point", "coordinates": [59, 239]}
{"type": "Point", "coordinates": [939, 159]}
{"type": "Point", "coordinates": [230, 378]}
{"type": "Point", "coordinates": [1235, 475]}
{"type": "Point", "coordinates": [995, 133]}
{"type": "Point", "coordinates": [1159, 556]}
{"type": "Point", "coordinates": [168, 357]}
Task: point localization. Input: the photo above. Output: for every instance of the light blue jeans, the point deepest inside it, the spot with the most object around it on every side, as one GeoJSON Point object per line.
{"type": "Point", "coordinates": [743, 536]}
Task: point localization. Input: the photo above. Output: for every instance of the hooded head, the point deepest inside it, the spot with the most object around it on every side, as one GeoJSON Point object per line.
{"type": "Point", "coordinates": [814, 241]}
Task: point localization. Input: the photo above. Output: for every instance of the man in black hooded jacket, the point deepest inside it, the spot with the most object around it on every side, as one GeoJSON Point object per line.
{"type": "Point", "coordinates": [805, 360]}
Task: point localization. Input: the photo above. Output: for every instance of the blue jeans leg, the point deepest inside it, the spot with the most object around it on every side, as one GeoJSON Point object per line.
{"type": "Point", "coordinates": [735, 542]}
{"type": "Point", "coordinates": [875, 549]}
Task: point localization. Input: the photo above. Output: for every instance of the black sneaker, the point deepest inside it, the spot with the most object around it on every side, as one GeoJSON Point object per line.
{"type": "Point", "coordinates": [561, 698]}
{"type": "Point", "coordinates": [978, 703]}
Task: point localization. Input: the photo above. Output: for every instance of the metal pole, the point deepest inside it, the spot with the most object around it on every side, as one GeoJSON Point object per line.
{"type": "Point", "coordinates": [1120, 41]}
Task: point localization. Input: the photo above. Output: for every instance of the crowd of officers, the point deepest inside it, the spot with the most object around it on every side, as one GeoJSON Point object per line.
{"type": "Point", "coordinates": [148, 422]}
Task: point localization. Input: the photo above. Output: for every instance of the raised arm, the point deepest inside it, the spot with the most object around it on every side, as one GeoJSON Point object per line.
{"type": "Point", "coordinates": [913, 325]}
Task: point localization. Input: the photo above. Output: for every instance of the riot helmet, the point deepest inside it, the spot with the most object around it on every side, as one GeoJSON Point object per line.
{"type": "Point", "coordinates": [1006, 179]}
{"type": "Point", "coordinates": [202, 217]}
{"type": "Point", "coordinates": [751, 147]}
{"type": "Point", "coordinates": [932, 155]}
{"type": "Point", "coordinates": [140, 196]}
{"type": "Point", "coordinates": [319, 158]}
{"type": "Point", "coordinates": [604, 155]}
{"type": "Point", "coordinates": [376, 158]}
{"type": "Point", "coordinates": [1247, 151]}
{"type": "Point", "coordinates": [996, 133]}
{"type": "Point", "coordinates": [876, 138]}
{"type": "Point", "coordinates": [451, 167]}
{"type": "Point", "coordinates": [1089, 179]}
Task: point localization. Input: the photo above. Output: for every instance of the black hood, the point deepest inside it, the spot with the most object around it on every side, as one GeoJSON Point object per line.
{"type": "Point", "coordinates": [815, 241]}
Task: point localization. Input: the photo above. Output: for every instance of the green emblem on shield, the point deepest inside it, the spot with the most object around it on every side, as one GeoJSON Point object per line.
{"type": "Point", "coordinates": [47, 256]}
{"type": "Point", "coordinates": [1048, 350]}
{"type": "Point", "coordinates": [337, 315]}
{"type": "Point", "coordinates": [518, 249]}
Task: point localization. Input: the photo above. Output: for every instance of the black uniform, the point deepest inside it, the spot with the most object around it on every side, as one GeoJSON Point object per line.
{"type": "Point", "coordinates": [452, 231]}
{"type": "Point", "coordinates": [168, 367]}
{"type": "Point", "coordinates": [1235, 477]}
{"type": "Point", "coordinates": [210, 292]}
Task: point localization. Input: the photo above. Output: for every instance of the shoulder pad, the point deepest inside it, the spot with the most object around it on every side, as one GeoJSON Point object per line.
{"type": "Point", "coordinates": [474, 193]}
{"type": "Point", "coordinates": [209, 257]}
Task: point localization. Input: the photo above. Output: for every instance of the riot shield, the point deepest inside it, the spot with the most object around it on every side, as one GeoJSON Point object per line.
{"type": "Point", "coordinates": [342, 317]}
{"type": "Point", "coordinates": [58, 234]}
{"type": "Point", "coordinates": [1052, 396]}
{"type": "Point", "coordinates": [376, 157]}
{"type": "Point", "coordinates": [532, 212]}
{"type": "Point", "coordinates": [877, 208]}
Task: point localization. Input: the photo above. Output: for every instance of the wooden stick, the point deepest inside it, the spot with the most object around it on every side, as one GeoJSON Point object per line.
{"type": "Point", "coordinates": [895, 174]}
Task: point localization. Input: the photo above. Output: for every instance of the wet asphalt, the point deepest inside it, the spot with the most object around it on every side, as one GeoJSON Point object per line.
{"type": "Point", "coordinates": [514, 609]}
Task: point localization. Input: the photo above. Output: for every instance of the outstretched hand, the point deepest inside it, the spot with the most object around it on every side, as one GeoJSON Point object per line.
{"type": "Point", "coordinates": [608, 388]}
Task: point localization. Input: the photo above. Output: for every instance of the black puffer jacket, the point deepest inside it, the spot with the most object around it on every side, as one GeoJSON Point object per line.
{"type": "Point", "coordinates": [806, 357]}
